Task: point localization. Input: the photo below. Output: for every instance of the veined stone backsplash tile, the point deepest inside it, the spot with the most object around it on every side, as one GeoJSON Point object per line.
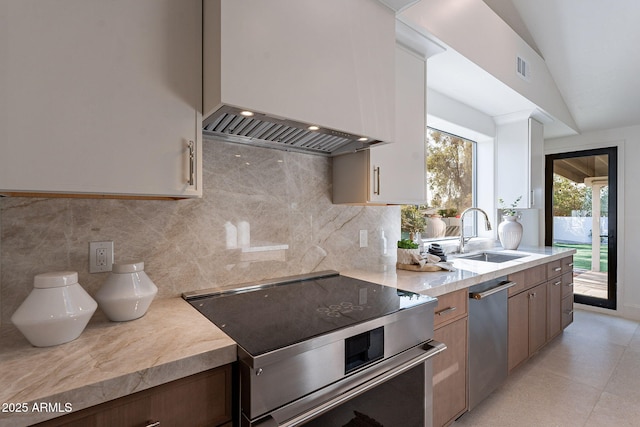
{"type": "Point", "coordinates": [264, 214]}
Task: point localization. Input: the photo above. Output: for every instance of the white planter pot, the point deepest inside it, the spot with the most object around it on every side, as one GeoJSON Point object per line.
{"type": "Point", "coordinates": [404, 255]}
{"type": "Point", "coordinates": [510, 232]}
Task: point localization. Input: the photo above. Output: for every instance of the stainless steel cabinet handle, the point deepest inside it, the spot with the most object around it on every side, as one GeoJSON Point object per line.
{"type": "Point", "coordinates": [557, 283]}
{"type": "Point", "coordinates": [153, 424]}
{"type": "Point", "coordinates": [376, 184]}
{"type": "Point", "coordinates": [446, 310]}
{"type": "Point", "coordinates": [191, 146]}
{"type": "Point", "coordinates": [557, 269]}
{"type": "Point", "coordinates": [532, 295]}
{"type": "Point", "coordinates": [570, 264]}
{"type": "Point", "coordinates": [484, 294]}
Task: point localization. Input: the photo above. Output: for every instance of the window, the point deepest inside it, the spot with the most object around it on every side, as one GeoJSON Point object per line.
{"type": "Point", "coordinates": [450, 187]}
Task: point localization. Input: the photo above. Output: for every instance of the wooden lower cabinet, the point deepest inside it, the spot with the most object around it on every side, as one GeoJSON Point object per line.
{"type": "Point", "coordinates": [567, 299]}
{"type": "Point", "coordinates": [554, 307]}
{"type": "Point", "coordinates": [527, 324]}
{"type": "Point", "coordinates": [518, 337]}
{"type": "Point", "coordinates": [450, 374]}
{"type": "Point", "coordinates": [538, 312]}
{"type": "Point", "coordinates": [450, 366]}
{"type": "Point", "coordinates": [537, 317]}
{"type": "Point", "coordinates": [202, 399]}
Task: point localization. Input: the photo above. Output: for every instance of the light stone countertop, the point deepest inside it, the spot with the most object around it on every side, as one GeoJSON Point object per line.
{"type": "Point", "coordinates": [114, 359]}
{"type": "Point", "coordinates": [468, 273]}
{"type": "Point", "coordinates": [109, 360]}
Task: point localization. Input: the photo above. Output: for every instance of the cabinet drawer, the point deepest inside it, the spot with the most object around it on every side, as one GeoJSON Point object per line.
{"type": "Point", "coordinates": [451, 306]}
{"type": "Point", "coordinates": [567, 264]}
{"type": "Point", "coordinates": [558, 267]}
{"type": "Point", "coordinates": [567, 284]}
{"type": "Point", "coordinates": [526, 279]}
{"type": "Point", "coordinates": [554, 269]}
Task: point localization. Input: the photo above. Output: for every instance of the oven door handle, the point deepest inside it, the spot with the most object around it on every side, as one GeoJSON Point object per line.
{"type": "Point", "coordinates": [430, 349]}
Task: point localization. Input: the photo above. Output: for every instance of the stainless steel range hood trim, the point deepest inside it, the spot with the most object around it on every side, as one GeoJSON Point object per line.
{"type": "Point", "coordinates": [261, 130]}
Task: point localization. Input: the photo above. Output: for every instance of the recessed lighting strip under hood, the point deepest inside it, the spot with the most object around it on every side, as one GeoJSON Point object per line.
{"type": "Point", "coordinates": [235, 125]}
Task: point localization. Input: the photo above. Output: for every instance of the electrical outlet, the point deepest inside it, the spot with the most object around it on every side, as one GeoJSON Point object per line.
{"type": "Point", "coordinates": [364, 240]}
{"type": "Point", "coordinates": [100, 256]}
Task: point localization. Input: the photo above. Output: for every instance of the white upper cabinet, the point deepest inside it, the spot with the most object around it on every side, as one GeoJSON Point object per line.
{"type": "Point", "coordinates": [392, 173]}
{"type": "Point", "coordinates": [328, 63]}
{"type": "Point", "coordinates": [519, 162]}
{"type": "Point", "coordinates": [101, 97]}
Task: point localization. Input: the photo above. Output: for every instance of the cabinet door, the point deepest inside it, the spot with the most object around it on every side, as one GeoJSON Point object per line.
{"type": "Point", "coordinates": [399, 174]}
{"type": "Point", "coordinates": [101, 97]}
{"type": "Point", "coordinates": [519, 150]}
{"type": "Point", "coordinates": [450, 373]}
{"type": "Point", "coordinates": [518, 329]}
{"type": "Point", "coordinates": [567, 311]}
{"type": "Point", "coordinates": [554, 307]}
{"type": "Point", "coordinates": [392, 173]}
{"type": "Point", "coordinates": [537, 317]}
{"type": "Point", "coordinates": [198, 400]}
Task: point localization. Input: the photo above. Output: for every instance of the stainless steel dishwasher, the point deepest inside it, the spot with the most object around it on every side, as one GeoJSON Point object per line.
{"type": "Point", "coordinates": [488, 364]}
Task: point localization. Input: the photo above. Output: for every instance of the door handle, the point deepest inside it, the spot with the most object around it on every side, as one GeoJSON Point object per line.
{"type": "Point", "coordinates": [376, 178]}
{"type": "Point", "coordinates": [488, 292]}
{"type": "Point", "coordinates": [446, 310]}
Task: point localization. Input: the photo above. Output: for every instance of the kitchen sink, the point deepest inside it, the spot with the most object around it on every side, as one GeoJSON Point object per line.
{"type": "Point", "coordinates": [490, 257]}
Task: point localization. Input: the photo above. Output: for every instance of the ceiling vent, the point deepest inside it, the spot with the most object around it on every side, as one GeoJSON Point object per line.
{"type": "Point", "coordinates": [523, 68]}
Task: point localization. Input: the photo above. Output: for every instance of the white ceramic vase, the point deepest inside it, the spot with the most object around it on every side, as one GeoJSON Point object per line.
{"type": "Point", "coordinates": [56, 311]}
{"type": "Point", "coordinates": [510, 232]}
{"type": "Point", "coordinates": [436, 227]}
{"type": "Point", "coordinates": [127, 293]}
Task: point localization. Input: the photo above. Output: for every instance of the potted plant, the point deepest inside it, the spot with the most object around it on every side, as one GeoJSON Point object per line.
{"type": "Point", "coordinates": [509, 230]}
{"type": "Point", "coordinates": [412, 221]}
{"type": "Point", "coordinates": [407, 249]}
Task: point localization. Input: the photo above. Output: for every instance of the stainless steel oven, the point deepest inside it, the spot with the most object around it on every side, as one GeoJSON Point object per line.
{"type": "Point", "coordinates": [328, 350]}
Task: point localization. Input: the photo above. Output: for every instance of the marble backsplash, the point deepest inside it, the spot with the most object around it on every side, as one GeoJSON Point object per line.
{"type": "Point", "coordinates": [264, 214]}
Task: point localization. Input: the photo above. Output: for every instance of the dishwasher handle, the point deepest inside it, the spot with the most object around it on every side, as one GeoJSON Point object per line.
{"type": "Point", "coordinates": [502, 286]}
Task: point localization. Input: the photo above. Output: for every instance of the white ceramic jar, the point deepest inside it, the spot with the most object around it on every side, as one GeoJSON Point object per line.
{"type": "Point", "coordinates": [510, 232]}
{"type": "Point", "coordinates": [56, 311]}
{"type": "Point", "coordinates": [127, 293]}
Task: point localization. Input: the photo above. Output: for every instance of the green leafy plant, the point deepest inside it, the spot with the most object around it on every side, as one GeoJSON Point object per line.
{"type": "Point", "coordinates": [411, 219]}
{"type": "Point", "coordinates": [448, 213]}
{"type": "Point", "coordinates": [407, 244]}
{"type": "Point", "coordinates": [511, 209]}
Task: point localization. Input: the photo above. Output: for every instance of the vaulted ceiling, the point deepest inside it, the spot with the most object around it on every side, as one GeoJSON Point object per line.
{"type": "Point", "coordinates": [592, 50]}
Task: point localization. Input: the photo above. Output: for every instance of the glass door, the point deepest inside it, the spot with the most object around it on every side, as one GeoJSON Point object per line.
{"type": "Point", "coordinates": [581, 214]}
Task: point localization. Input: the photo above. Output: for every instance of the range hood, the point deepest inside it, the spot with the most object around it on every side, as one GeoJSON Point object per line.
{"type": "Point", "coordinates": [246, 127]}
{"type": "Point", "coordinates": [310, 76]}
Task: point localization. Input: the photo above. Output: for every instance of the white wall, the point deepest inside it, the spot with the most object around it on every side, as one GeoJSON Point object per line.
{"type": "Point", "coordinates": [628, 142]}
{"type": "Point", "coordinates": [451, 116]}
{"type": "Point", "coordinates": [494, 51]}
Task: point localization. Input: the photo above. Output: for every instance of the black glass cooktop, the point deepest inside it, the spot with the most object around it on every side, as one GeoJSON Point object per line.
{"type": "Point", "coordinates": [279, 315]}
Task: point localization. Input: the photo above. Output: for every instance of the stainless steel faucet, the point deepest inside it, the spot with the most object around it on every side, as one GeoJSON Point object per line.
{"type": "Point", "coordinates": [487, 225]}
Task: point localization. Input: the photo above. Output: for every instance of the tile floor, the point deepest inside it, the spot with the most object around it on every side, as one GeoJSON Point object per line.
{"type": "Point", "coordinates": [588, 376]}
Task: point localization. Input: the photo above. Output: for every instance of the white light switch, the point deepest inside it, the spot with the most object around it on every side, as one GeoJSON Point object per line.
{"type": "Point", "coordinates": [364, 240]}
